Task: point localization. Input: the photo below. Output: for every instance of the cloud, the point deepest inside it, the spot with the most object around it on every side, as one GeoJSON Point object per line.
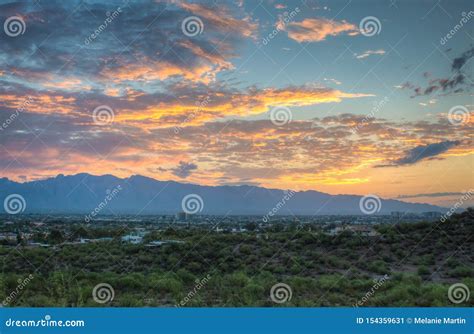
{"type": "Point", "coordinates": [149, 72]}
{"type": "Point", "coordinates": [454, 84]}
{"type": "Point", "coordinates": [432, 195]}
{"type": "Point", "coordinates": [135, 48]}
{"type": "Point", "coordinates": [301, 153]}
{"type": "Point", "coordinates": [318, 29]}
{"type": "Point", "coordinates": [423, 152]}
{"type": "Point", "coordinates": [252, 101]}
{"type": "Point", "coordinates": [178, 105]}
{"type": "Point", "coordinates": [369, 53]}
{"type": "Point", "coordinates": [460, 61]}
{"type": "Point", "coordinates": [221, 18]}
{"type": "Point", "coordinates": [184, 169]}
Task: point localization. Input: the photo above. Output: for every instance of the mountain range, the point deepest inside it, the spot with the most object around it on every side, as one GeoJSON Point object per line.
{"type": "Point", "coordinates": [139, 195]}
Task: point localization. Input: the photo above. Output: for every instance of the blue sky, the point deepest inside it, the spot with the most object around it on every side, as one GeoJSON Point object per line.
{"type": "Point", "coordinates": [410, 36]}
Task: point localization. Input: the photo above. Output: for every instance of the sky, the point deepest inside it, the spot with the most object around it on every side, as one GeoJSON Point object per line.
{"type": "Point", "coordinates": [344, 97]}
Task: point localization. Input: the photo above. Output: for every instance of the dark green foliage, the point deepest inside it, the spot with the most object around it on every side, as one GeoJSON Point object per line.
{"type": "Point", "coordinates": [421, 262]}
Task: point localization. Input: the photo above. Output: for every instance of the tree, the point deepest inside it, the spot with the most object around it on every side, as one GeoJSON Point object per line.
{"type": "Point", "coordinates": [56, 237]}
{"type": "Point", "coordinates": [19, 239]}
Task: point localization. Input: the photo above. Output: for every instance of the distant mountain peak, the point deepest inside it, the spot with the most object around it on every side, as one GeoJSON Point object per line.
{"type": "Point", "coordinates": [82, 193]}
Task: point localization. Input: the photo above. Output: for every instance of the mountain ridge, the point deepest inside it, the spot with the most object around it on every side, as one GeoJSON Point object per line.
{"type": "Point", "coordinates": [83, 192]}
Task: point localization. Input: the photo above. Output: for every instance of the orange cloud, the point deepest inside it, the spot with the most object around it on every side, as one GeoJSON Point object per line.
{"type": "Point", "coordinates": [43, 103]}
{"type": "Point", "coordinates": [221, 19]}
{"type": "Point", "coordinates": [218, 105]}
{"type": "Point", "coordinates": [152, 70]}
{"type": "Point", "coordinates": [323, 154]}
{"type": "Point", "coordinates": [202, 67]}
{"type": "Point", "coordinates": [317, 29]}
{"type": "Point", "coordinates": [180, 106]}
{"type": "Point", "coordinates": [66, 84]}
